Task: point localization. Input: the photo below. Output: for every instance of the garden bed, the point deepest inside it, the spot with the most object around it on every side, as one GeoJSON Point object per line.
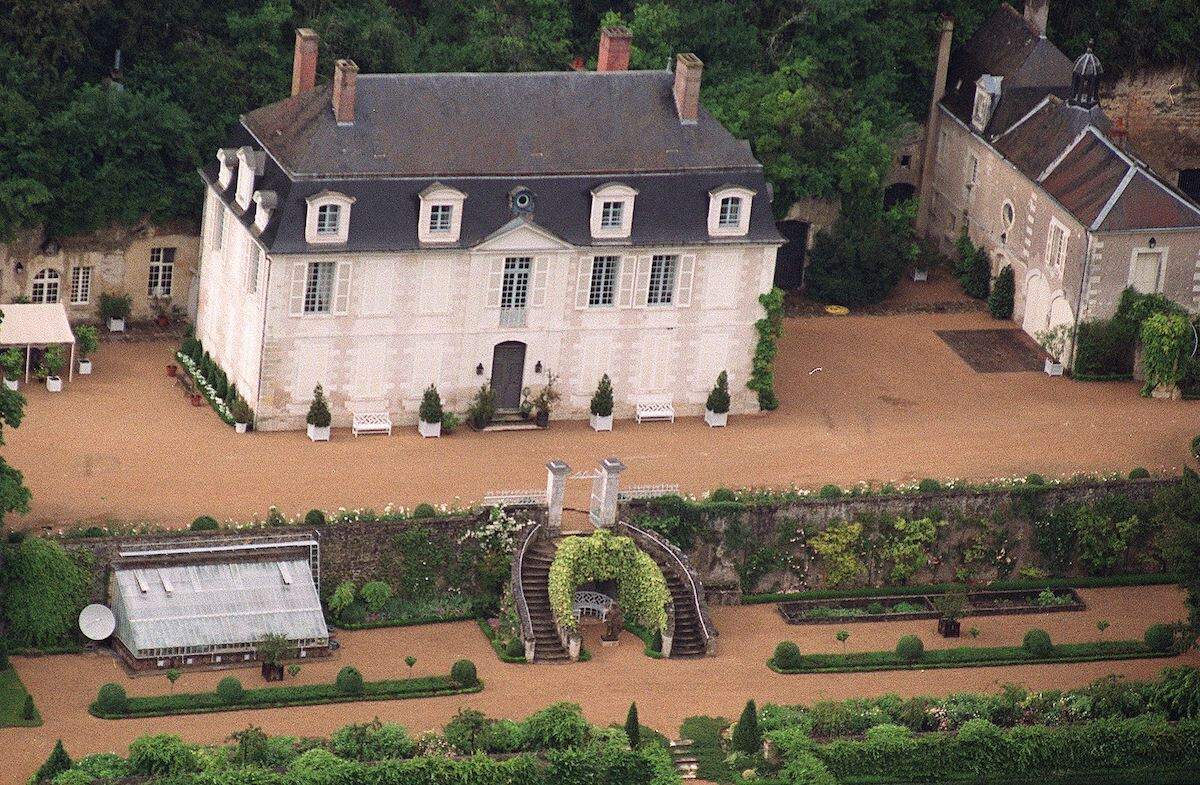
{"type": "Point", "coordinates": [13, 699]}
{"type": "Point", "coordinates": [908, 607]}
{"type": "Point", "coordinates": [279, 697]}
{"type": "Point", "coordinates": [973, 657]}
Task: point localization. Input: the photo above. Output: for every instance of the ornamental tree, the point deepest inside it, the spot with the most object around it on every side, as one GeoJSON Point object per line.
{"type": "Point", "coordinates": [602, 401]}
{"type": "Point", "coordinates": [1164, 337]}
{"type": "Point", "coordinates": [318, 411]}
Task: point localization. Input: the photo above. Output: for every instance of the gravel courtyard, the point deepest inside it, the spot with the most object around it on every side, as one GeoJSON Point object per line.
{"type": "Point", "coordinates": [891, 401]}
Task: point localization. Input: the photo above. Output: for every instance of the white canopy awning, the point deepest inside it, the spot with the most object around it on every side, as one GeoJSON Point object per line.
{"type": "Point", "coordinates": [35, 324]}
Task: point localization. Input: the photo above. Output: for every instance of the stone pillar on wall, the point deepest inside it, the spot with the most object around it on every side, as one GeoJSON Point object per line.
{"type": "Point", "coordinates": [556, 486]}
{"type": "Point", "coordinates": [610, 469]}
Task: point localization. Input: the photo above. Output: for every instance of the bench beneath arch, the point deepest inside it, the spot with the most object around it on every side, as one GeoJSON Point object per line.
{"type": "Point", "coordinates": [593, 604]}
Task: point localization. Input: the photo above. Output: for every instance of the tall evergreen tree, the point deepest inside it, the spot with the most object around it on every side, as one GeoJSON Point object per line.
{"type": "Point", "coordinates": [747, 737]}
{"type": "Point", "coordinates": [58, 762]}
{"type": "Point", "coordinates": [632, 728]}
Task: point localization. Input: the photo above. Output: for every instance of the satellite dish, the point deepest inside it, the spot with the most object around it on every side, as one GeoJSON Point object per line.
{"type": "Point", "coordinates": [97, 622]}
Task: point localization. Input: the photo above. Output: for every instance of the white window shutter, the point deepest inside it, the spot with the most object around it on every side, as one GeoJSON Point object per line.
{"type": "Point", "coordinates": [642, 288]}
{"type": "Point", "coordinates": [628, 277]}
{"type": "Point", "coordinates": [495, 281]}
{"type": "Point", "coordinates": [341, 290]}
{"type": "Point", "coordinates": [538, 296]}
{"type": "Point", "coordinates": [583, 282]}
{"type": "Point", "coordinates": [687, 271]}
{"type": "Point", "coordinates": [299, 270]}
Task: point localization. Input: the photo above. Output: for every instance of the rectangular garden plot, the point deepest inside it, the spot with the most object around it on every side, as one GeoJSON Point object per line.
{"type": "Point", "coordinates": [921, 606]}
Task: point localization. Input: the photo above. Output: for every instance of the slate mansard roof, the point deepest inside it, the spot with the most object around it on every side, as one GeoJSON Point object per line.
{"type": "Point", "coordinates": [1063, 147]}
{"type": "Point", "coordinates": [558, 134]}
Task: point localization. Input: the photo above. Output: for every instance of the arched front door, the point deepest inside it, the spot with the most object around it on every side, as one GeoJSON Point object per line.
{"type": "Point", "coordinates": [508, 374]}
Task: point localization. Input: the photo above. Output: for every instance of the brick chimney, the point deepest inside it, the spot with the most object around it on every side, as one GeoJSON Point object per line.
{"type": "Point", "coordinates": [688, 70]}
{"type": "Point", "coordinates": [1037, 13]}
{"type": "Point", "coordinates": [344, 75]}
{"type": "Point", "coordinates": [304, 62]}
{"type": "Point", "coordinates": [933, 123]}
{"type": "Point", "coordinates": [614, 49]}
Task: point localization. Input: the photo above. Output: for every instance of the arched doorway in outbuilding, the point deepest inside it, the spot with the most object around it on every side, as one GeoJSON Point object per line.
{"type": "Point", "coordinates": [896, 193]}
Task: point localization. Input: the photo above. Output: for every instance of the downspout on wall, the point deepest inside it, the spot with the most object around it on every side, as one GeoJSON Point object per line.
{"type": "Point", "coordinates": [1083, 279]}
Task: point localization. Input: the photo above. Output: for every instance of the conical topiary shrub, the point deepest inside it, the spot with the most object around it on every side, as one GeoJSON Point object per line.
{"type": "Point", "coordinates": [747, 737]}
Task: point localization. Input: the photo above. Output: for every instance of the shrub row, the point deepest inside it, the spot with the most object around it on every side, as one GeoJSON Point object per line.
{"type": "Point", "coordinates": [1160, 641]}
{"type": "Point", "coordinates": [511, 655]}
{"type": "Point", "coordinates": [113, 703]}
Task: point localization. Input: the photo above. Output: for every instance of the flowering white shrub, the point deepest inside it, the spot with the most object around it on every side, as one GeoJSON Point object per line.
{"type": "Point", "coordinates": [206, 389]}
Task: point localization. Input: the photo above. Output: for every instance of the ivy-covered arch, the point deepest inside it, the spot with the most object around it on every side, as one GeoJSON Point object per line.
{"type": "Point", "coordinates": [641, 588]}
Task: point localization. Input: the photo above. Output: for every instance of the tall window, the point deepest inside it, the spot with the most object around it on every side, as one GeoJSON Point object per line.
{"type": "Point", "coordinates": [1056, 246]}
{"type": "Point", "coordinates": [439, 217]}
{"type": "Point", "coordinates": [162, 272]}
{"type": "Point", "coordinates": [81, 285]}
{"type": "Point", "coordinates": [318, 287]}
{"type": "Point", "coordinates": [662, 279]}
{"type": "Point", "coordinates": [731, 212]}
{"type": "Point", "coordinates": [514, 290]}
{"type": "Point", "coordinates": [611, 215]}
{"type": "Point", "coordinates": [605, 270]}
{"type": "Point", "coordinates": [329, 218]}
{"type": "Point", "coordinates": [45, 286]}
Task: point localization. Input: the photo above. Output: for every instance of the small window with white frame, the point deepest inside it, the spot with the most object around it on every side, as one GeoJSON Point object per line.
{"type": "Point", "coordinates": [729, 211]}
{"type": "Point", "coordinates": [318, 287]}
{"type": "Point", "coordinates": [605, 274]}
{"type": "Point", "coordinates": [612, 211]}
{"type": "Point", "coordinates": [162, 272]}
{"type": "Point", "coordinates": [329, 218]}
{"type": "Point", "coordinates": [439, 216]}
{"type": "Point", "coordinates": [663, 269]}
{"type": "Point", "coordinates": [45, 286]}
{"type": "Point", "coordinates": [81, 285]}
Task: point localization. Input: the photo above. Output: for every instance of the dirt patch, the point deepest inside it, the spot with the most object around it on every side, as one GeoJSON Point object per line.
{"type": "Point", "coordinates": [666, 691]}
{"type": "Point", "coordinates": [994, 351]}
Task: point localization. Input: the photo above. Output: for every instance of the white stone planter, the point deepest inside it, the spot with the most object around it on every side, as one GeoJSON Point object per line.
{"type": "Point", "coordinates": [601, 423]}
{"type": "Point", "coordinates": [715, 420]}
{"type": "Point", "coordinates": [116, 325]}
{"type": "Point", "coordinates": [318, 434]}
{"type": "Point", "coordinates": [11, 384]}
{"type": "Point", "coordinates": [429, 430]}
{"type": "Point", "coordinates": [54, 383]}
{"type": "Point", "coordinates": [240, 427]}
{"type": "Point", "coordinates": [85, 367]}
{"type": "Point", "coordinates": [920, 275]}
{"type": "Point", "coordinates": [1053, 368]}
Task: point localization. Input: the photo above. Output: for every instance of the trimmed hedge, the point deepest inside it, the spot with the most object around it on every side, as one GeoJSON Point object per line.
{"type": "Point", "coordinates": [1085, 582]}
{"type": "Point", "coordinates": [971, 657]}
{"type": "Point", "coordinates": [276, 697]}
{"type": "Point", "coordinates": [497, 647]}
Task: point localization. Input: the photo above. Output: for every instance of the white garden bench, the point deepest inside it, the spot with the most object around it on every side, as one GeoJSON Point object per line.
{"type": "Point", "coordinates": [591, 603]}
{"type": "Point", "coordinates": [649, 411]}
{"type": "Point", "coordinates": [372, 422]}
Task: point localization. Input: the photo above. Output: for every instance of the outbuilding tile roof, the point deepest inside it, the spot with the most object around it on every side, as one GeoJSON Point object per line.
{"type": "Point", "coordinates": [1086, 178]}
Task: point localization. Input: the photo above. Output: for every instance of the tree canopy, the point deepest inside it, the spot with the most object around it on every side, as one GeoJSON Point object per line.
{"type": "Point", "coordinates": [816, 86]}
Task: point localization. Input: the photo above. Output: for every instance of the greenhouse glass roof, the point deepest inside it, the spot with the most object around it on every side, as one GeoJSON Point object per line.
{"type": "Point", "coordinates": [209, 607]}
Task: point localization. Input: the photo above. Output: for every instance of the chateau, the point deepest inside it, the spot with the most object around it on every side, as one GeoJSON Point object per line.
{"type": "Point", "coordinates": [1020, 156]}
{"type": "Point", "coordinates": [386, 232]}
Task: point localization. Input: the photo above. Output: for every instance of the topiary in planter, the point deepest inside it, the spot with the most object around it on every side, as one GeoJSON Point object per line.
{"type": "Point", "coordinates": [787, 656]}
{"type": "Point", "coordinates": [205, 523]}
{"type": "Point", "coordinates": [112, 699]}
{"type": "Point", "coordinates": [431, 406]}
{"type": "Point", "coordinates": [1037, 643]}
{"type": "Point", "coordinates": [464, 673]}
{"type": "Point", "coordinates": [349, 681]}
{"type": "Point", "coordinates": [910, 648]}
{"type": "Point", "coordinates": [602, 400]}
{"type": "Point", "coordinates": [318, 410]}
{"type": "Point", "coordinates": [241, 410]}
{"type": "Point", "coordinates": [1160, 637]}
{"type": "Point", "coordinates": [230, 690]}
{"type": "Point", "coordinates": [718, 398]}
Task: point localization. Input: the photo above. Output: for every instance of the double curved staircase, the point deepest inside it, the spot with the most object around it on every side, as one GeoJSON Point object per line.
{"type": "Point", "coordinates": [689, 632]}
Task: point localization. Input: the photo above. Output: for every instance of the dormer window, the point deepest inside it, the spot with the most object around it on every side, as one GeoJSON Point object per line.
{"type": "Point", "coordinates": [328, 217]}
{"type": "Point", "coordinates": [440, 218]}
{"type": "Point", "coordinates": [729, 211]}
{"type": "Point", "coordinates": [612, 211]}
{"type": "Point", "coordinates": [987, 93]}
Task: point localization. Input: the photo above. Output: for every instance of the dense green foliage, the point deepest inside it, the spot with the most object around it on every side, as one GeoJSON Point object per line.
{"type": "Point", "coordinates": [14, 496]}
{"type": "Point", "coordinates": [1000, 300]}
{"type": "Point", "coordinates": [1105, 347]}
{"type": "Point", "coordinates": [861, 258]}
{"type": "Point", "coordinates": [431, 406]}
{"type": "Point", "coordinates": [1164, 338]}
{"type": "Point", "coordinates": [602, 399]}
{"type": "Point", "coordinates": [1177, 512]}
{"type": "Point", "coordinates": [633, 730]}
{"type": "Point", "coordinates": [58, 762]}
{"type": "Point", "coordinates": [972, 268]}
{"type": "Point", "coordinates": [641, 587]}
{"type": "Point", "coordinates": [762, 364]}
{"type": "Point", "coordinates": [44, 590]}
{"type": "Point", "coordinates": [747, 737]}
{"type": "Point", "coordinates": [718, 396]}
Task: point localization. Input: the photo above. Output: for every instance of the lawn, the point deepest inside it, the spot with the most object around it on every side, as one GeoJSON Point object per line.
{"type": "Point", "coordinates": [12, 702]}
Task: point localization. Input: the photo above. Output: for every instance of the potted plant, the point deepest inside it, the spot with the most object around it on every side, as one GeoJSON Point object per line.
{"type": "Point", "coordinates": [241, 414]}
{"type": "Point", "coordinates": [544, 401]}
{"type": "Point", "coordinates": [272, 648]}
{"type": "Point", "coordinates": [429, 422]}
{"type": "Point", "coordinates": [482, 408]}
{"type": "Point", "coordinates": [319, 416]}
{"type": "Point", "coordinates": [115, 308]}
{"type": "Point", "coordinates": [12, 361]}
{"type": "Point", "coordinates": [52, 363]}
{"type": "Point", "coordinates": [1054, 341]}
{"type": "Point", "coordinates": [951, 606]}
{"type": "Point", "coordinates": [602, 405]}
{"type": "Point", "coordinates": [716, 409]}
{"type": "Point", "coordinates": [162, 311]}
{"type": "Point", "coordinates": [87, 339]}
